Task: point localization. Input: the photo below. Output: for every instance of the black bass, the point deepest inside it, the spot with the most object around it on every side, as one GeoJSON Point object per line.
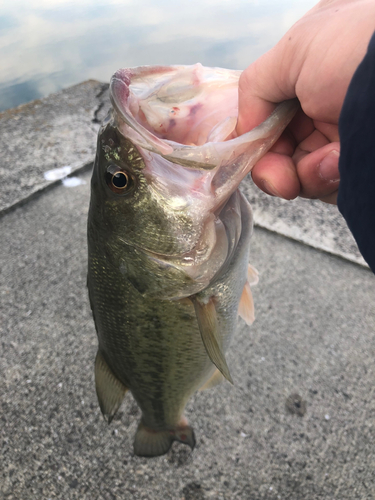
{"type": "Point", "coordinates": [168, 238]}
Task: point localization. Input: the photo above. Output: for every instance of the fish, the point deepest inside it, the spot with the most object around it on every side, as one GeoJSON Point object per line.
{"type": "Point", "coordinates": [169, 241]}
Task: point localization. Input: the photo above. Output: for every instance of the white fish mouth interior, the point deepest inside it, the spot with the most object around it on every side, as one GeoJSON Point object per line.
{"type": "Point", "coordinates": [188, 114]}
{"type": "Point", "coordinates": [189, 105]}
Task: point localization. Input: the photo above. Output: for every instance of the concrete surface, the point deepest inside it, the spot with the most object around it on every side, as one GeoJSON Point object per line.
{"type": "Point", "coordinates": [311, 222]}
{"type": "Point", "coordinates": [45, 134]}
{"type": "Point", "coordinates": [298, 424]}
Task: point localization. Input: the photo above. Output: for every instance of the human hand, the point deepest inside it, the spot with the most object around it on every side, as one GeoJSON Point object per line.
{"type": "Point", "coordinates": [314, 62]}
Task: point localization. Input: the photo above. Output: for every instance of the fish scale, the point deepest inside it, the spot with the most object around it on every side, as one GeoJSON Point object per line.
{"type": "Point", "coordinates": [148, 347]}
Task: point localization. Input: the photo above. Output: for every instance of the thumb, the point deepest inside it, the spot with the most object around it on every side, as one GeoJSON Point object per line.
{"type": "Point", "coordinates": [260, 87]}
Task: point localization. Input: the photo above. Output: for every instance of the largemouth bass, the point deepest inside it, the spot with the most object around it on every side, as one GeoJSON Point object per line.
{"type": "Point", "coordinates": [168, 238]}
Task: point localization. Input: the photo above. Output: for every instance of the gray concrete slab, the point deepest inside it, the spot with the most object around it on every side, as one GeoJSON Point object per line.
{"type": "Point", "coordinates": [298, 424]}
{"type": "Point", "coordinates": [57, 131]}
{"type": "Point", "coordinates": [311, 222]}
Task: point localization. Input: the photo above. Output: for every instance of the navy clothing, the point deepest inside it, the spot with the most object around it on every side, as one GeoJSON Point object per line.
{"type": "Point", "coordinates": [356, 197]}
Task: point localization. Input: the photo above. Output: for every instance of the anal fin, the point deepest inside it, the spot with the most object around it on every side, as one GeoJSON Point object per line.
{"type": "Point", "coordinates": [109, 389]}
{"type": "Point", "coordinates": [208, 327]}
{"type": "Point", "coordinates": [216, 379]}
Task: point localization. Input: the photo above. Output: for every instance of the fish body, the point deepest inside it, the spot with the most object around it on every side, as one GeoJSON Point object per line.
{"type": "Point", "coordinates": [169, 239]}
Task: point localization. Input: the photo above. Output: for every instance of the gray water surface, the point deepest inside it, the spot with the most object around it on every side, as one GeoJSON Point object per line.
{"type": "Point", "coordinates": [47, 45]}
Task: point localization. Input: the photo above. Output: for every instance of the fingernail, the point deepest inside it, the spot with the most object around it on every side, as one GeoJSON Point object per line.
{"type": "Point", "coordinates": [270, 189]}
{"type": "Point", "coordinates": [328, 167]}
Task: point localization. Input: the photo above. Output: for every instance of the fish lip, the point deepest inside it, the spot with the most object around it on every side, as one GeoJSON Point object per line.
{"type": "Point", "coordinates": [195, 263]}
{"type": "Point", "coordinates": [184, 262]}
{"type": "Point", "coordinates": [164, 258]}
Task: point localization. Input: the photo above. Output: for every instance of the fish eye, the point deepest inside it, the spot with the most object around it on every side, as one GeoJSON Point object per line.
{"type": "Point", "coordinates": [118, 180]}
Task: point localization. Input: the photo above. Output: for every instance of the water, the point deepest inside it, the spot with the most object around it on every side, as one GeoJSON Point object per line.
{"type": "Point", "coordinates": [47, 45]}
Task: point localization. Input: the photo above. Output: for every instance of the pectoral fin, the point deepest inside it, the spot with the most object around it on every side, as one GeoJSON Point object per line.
{"type": "Point", "coordinates": [109, 389]}
{"type": "Point", "coordinates": [246, 306]}
{"type": "Point", "coordinates": [252, 275]}
{"type": "Point", "coordinates": [207, 322]}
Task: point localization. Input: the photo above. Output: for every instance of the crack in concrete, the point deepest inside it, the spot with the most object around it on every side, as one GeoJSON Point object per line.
{"type": "Point", "coordinates": [100, 106]}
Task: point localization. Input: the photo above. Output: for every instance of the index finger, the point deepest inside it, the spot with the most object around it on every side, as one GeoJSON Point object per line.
{"type": "Point", "coordinates": [297, 131]}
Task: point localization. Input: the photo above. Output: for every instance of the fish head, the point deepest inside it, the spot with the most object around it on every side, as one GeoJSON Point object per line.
{"type": "Point", "coordinates": [167, 164]}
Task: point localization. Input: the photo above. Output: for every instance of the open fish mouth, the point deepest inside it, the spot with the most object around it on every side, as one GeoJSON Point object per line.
{"type": "Point", "coordinates": [188, 115]}
{"type": "Point", "coordinates": [184, 108]}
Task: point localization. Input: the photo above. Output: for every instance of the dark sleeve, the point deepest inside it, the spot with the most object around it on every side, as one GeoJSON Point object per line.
{"type": "Point", "coordinates": [356, 197]}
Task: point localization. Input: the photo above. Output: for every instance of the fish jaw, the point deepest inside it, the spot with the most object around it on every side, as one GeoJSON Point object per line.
{"type": "Point", "coordinates": [170, 225]}
{"type": "Point", "coordinates": [162, 226]}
